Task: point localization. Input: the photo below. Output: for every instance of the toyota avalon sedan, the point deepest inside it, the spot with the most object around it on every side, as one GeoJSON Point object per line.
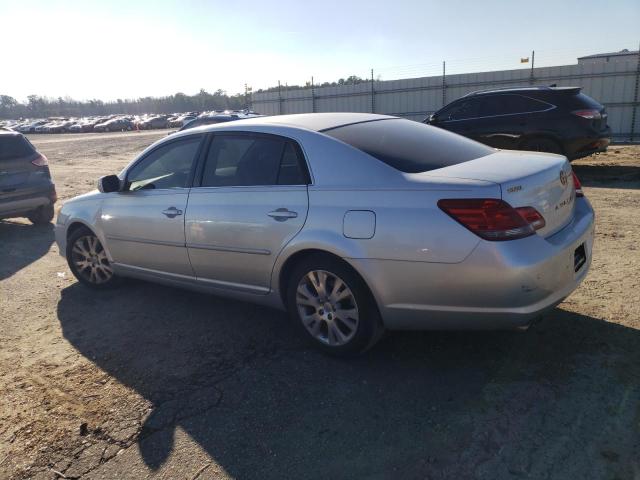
{"type": "Point", "coordinates": [354, 223]}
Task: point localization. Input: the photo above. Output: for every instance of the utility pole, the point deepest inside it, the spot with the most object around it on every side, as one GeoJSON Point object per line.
{"type": "Point", "coordinates": [279, 98]}
{"type": "Point", "coordinates": [634, 113]}
{"type": "Point", "coordinates": [313, 97]}
{"type": "Point", "coordinates": [373, 95]}
{"type": "Point", "coordinates": [533, 62]}
{"type": "Point", "coordinates": [444, 85]}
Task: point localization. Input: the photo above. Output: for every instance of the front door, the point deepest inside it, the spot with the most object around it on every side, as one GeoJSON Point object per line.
{"type": "Point", "coordinates": [144, 223]}
{"type": "Point", "coordinates": [252, 200]}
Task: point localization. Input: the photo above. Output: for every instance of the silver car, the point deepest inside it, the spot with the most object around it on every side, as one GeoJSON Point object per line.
{"type": "Point", "coordinates": [354, 223]}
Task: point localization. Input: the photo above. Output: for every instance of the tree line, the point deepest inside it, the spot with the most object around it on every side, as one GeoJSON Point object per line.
{"type": "Point", "coordinates": [40, 106]}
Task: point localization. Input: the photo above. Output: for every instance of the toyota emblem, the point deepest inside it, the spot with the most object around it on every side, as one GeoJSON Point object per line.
{"type": "Point", "coordinates": [563, 178]}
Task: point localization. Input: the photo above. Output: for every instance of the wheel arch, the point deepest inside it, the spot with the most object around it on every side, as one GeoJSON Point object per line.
{"type": "Point", "coordinates": [298, 256]}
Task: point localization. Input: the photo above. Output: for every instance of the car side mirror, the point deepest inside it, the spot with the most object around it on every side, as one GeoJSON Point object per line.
{"type": "Point", "coordinates": [432, 119]}
{"type": "Point", "coordinates": [109, 183]}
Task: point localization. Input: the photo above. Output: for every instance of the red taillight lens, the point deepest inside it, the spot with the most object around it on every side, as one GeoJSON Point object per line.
{"type": "Point", "coordinates": [590, 114]}
{"type": "Point", "coordinates": [577, 185]}
{"type": "Point", "coordinates": [493, 219]}
{"type": "Point", "coordinates": [41, 161]}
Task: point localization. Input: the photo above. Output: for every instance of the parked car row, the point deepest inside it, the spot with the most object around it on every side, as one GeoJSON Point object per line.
{"type": "Point", "coordinates": [117, 123]}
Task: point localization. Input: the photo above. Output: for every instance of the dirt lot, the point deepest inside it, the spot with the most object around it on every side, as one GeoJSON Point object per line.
{"type": "Point", "coordinates": [148, 381]}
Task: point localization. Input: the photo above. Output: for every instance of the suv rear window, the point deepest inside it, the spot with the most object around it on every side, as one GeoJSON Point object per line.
{"type": "Point", "coordinates": [581, 100]}
{"type": "Point", "coordinates": [14, 146]}
{"type": "Point", "coordinates": [409, 146]}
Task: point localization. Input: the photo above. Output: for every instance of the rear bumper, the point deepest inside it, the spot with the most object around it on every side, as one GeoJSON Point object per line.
{"type": "Point", "coordinates": [18, 204]}
{"type": "Point", "coordinates": [500, 285]}
{"type": "Point", "coordinates": [582, 147]}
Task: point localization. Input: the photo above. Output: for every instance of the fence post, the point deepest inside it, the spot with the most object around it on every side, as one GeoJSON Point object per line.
{"type": "Point", "coordinates": [313, 97]}
{"type": "Point", "coordinates": [533, 62]}
{"type": "Point", "coordinates": [635, 99]}
{"type": "Point", "coordinates": [444, 85]}
{"type": "Point", "coordinates": [373, 95]}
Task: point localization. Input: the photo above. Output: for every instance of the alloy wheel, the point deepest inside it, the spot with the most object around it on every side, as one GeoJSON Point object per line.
{"type": "Point", "coordinates": [327, 308]}
{"type": "Point", "coordinates": [90, 260]}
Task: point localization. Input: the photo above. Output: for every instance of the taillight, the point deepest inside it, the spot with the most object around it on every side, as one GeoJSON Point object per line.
{"type": "Point", "coordinates": [41, 161]}
{"type": "Point", "coordinates": [577, 185]}
{"type": "Point", "coordinates": [493, 219]}
{"type": "Point", "coordinates": [590, 114]}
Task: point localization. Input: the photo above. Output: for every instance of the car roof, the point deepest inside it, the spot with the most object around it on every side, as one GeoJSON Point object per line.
{"type": "Point", "coordinates": [310, 121]}
{"type": "Point", "coordinates": [525, 89]}
{"type": "Point", "coordinates": [7, 132]}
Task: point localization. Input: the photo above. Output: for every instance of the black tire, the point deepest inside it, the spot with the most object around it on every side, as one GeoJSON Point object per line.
{"type": "Point", "coordinates": [369, 327]}
{"type": "Point", "coordinates": [42, 215]}
{"type": "Point", "coordinates": [82, 276]}
{"type": "Point", "coordinates": [541, 144]}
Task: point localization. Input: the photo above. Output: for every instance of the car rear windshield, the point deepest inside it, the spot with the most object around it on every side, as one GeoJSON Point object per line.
{"type": "Point", "coordinates": [14, 146]}
{"type": "Point", "coordinates": [581, 100]}
{"type": "Point", "coordinates": [409, 146]}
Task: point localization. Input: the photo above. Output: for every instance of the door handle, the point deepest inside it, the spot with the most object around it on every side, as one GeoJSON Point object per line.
{"type": "Point", "coordinates": [172, 212]}
{"type": "Point", "coordinates": [282, 214]}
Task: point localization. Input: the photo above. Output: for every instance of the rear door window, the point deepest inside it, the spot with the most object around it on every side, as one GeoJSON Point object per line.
{"type": "Point", "coordinates": [14, 146]}
{"type": "Point", "coordinates": [493, 105]}
{"type": "Point", "coordinates": [409, 146]}
{"type": "Point", "coordinates": [250, 160]}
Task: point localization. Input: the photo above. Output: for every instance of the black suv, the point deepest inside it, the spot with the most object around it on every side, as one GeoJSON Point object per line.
{"type": "Point", "coordinates": [545, 119]}
{"type": "Point", "coordinates": [26, 189]}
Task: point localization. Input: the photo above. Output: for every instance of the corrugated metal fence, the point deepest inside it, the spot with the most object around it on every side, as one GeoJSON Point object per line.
{"type": "Point", "coordinates": [613, 84]}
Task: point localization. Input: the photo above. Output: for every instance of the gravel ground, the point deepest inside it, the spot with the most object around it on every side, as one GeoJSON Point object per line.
{"type": "Point", "coordinates": [149, 381]}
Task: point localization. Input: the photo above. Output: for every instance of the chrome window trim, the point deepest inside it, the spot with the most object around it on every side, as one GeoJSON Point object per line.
{"type": "Point", "coordinates": [551, 107]}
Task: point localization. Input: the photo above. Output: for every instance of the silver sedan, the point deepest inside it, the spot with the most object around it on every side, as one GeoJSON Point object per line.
{"type": "Point", "coordinates": [353, 223]}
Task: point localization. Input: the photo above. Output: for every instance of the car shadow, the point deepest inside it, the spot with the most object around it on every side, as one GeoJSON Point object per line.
{"type": "Point", "coordinates": [608, 176]}
{"type": "Point", "coordinates": [21, 244]}
{"type": "Point", "coordinates": [256, 398]}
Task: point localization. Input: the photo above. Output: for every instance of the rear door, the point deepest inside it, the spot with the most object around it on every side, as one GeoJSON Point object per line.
{"type": "Point", "coordinates": [144, 224]}
{"type": "Point", "coordinates": [251, 201]}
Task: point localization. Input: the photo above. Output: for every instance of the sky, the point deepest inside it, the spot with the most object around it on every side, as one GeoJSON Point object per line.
{"type": "Point", "coordinates": [128, 49]}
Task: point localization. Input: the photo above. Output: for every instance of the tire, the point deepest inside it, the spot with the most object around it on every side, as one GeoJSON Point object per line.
{"type": "Point", "coordinates": [42, 215]}
{"type": "Point", "coordinates": [344, 323]}
{"type": "Point", "coordinates": [542, 144]}
{"type": "Point", "coordinates": [83, 247]}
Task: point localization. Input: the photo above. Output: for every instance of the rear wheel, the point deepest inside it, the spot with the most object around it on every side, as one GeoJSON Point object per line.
{"type": "Point", "coordinates": [333, 307]}
{"type": "Point", "coordinates": [88, 260]}
{"type": "Point", "coordinates": [541, 144]}
{"type": "Point", "coordinates": [42, 215]}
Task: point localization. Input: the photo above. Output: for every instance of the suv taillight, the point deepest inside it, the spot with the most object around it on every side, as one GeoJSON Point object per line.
{"type": "Point", "coordinates": [589, 114]}
{"type": "Point", "coordinates": [577, 185]}
{"type": "Point", "coordinates": [40, 161]}
{"type": "Point", "coordinates": [493, 219]}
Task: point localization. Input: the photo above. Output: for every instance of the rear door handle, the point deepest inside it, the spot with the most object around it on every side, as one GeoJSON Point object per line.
{"type": "Point", "coordinates": [282, 214]}
{"type": "Point", "coordinates": [172, 212]}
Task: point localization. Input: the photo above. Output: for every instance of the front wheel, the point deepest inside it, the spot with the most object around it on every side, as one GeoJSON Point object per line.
{"type": "Point", "coordinates": [88, 260]}
{"type": "Point", "coordinates": [333, 307]}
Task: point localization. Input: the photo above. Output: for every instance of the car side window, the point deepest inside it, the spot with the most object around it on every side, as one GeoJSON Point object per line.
{"type": "Point", "coordinates": [463, 110]}
{"type": "Point", "coordinates": [510, 105]}
{"type": "Point", "coordinates": [168, 166]}
{"type": "Point", "coordinates": [291, 170]}
{"type": "Point", "coordinates": [246, 160]}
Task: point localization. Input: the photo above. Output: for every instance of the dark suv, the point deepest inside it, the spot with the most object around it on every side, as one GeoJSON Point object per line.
{"type": "Point", "coordinates": [546, 119]}
{"type": "Point", "coordinates": [26, 189]}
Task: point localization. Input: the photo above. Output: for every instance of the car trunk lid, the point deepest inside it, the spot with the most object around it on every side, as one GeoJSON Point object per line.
{"type": "Point", "coordinates": [527, 179]}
